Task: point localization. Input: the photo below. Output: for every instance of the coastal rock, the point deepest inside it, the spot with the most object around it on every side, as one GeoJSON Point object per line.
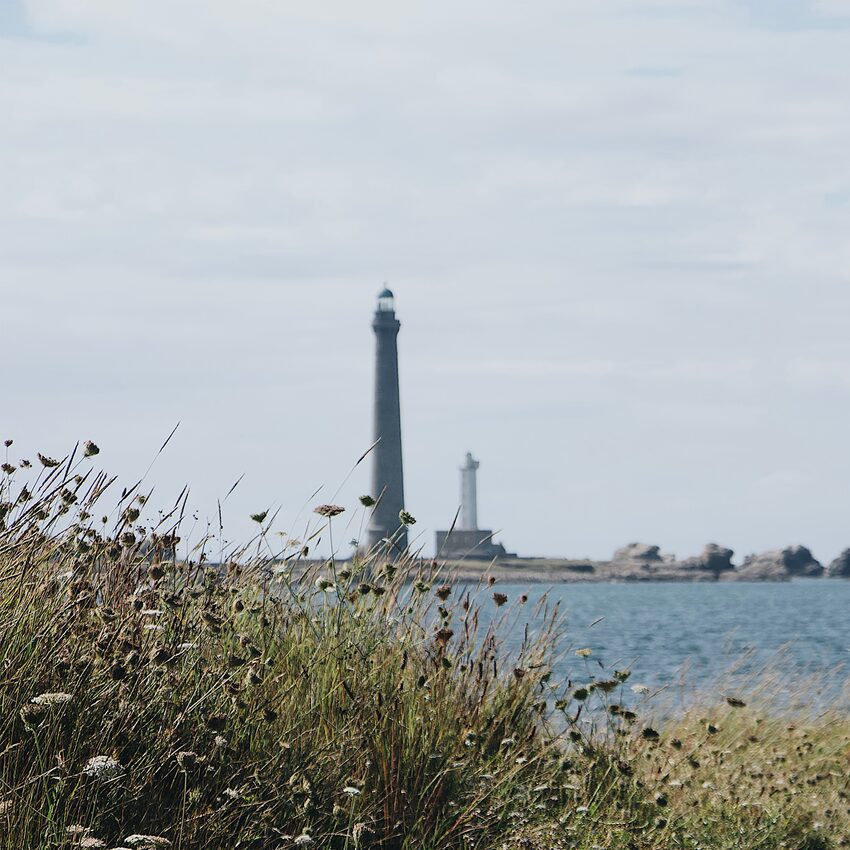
{"type": "Point", "coordinates": [714, 559]}
{"type": "Point", "coordinates": [638, 552]}
{"type": "Point", "coordinates": [840, 567]}
{"type": "Point", "coordinates": [793, 561]}
{"type": "Point", "coordinates": [754, 569]}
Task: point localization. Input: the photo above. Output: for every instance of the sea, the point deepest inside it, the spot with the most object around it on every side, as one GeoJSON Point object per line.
{"type": "Point", "coordinates": [789, 640]}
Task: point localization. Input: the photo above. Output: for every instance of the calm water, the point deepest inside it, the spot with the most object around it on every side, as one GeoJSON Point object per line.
{"type": "Point", "coordinates": [686, 635]}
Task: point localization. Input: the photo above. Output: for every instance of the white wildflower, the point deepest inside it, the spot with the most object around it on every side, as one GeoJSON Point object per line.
{"type": "Point", "coordinates": [640, 689]}
{"type": "Point", "coordinates": [75, 830]}
{"type": "Point", "coordinates": [147, 842]}
{"type": "Point", "coordinates": [103, 767]}
{"type": "Point", "coordinates": [351, 791]}
{"type": "Point", "coordinates": [52, 699]}
{"type": "Point", "coordinates": [304, 840]}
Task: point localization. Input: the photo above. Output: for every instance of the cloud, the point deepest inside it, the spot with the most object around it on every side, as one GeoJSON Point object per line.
{"type": "Point", "coordinates": [832, 8]}
{"type": "Point", "coordinates": [610, 225]}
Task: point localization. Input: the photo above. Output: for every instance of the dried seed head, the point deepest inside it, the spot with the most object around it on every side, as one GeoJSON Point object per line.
{"type": "Point", "coordinates": [46, 461]}
{"type": "Point", "coordinates": [90, 449]}
{"type": "Point", "coordinates": [500, 599]}
{"type": "Point", "coordinates": [367, 501]}
{"type": "Point", "coordinates": [328, 510]}
{"type": "Point", "coordinates": [443, 636]}
{"type": "Point", "coordinates": [186, 760]}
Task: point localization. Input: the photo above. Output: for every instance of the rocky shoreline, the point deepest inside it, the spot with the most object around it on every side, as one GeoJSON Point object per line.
{"type": "Point", "coordinates": [645, 562]}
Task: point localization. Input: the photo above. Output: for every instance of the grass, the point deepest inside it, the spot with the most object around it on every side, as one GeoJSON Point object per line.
{"type": "Point", "coordinates": [148, 701]}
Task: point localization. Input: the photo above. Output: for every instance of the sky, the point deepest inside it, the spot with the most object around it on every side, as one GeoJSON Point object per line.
{"type": "Point", "coordinates": [618, 233]}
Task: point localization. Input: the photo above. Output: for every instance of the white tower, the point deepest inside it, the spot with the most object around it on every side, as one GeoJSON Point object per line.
{"type": "Point", "coordinates": [469, 494]}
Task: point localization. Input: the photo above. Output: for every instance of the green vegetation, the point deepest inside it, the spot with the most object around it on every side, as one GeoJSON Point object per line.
{"type": "Point", "coordinates": [147, 702]}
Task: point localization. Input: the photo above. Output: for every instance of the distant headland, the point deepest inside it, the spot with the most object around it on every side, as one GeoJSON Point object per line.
{"type": "Point", "coordinates": [640, 562]}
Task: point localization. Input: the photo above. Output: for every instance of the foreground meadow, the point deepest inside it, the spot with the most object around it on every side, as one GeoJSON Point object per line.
{"type": "Point", "coordinates": [152, 701]}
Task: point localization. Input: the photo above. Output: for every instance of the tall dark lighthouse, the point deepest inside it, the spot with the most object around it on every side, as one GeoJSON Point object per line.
{"type": "Point", "coordinates": [387, 469]}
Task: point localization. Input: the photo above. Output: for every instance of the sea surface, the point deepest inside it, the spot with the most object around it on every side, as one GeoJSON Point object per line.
{"type": "Point", "coordinates": [687, 637]}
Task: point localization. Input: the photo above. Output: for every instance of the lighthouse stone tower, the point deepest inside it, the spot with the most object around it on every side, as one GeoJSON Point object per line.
{"type": "Point", "coordinates": [387, 466]}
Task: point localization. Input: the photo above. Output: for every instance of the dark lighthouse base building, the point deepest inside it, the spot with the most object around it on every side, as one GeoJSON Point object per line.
{"type": "Point", "coordinates": [476, 545]}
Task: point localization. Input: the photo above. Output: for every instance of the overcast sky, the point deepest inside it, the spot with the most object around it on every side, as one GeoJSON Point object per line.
{"type": "Point", "coordinates": [618, 232]}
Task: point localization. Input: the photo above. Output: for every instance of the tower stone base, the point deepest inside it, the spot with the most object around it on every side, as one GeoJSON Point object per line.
{"type": "Point", "coordinates": [476, 545]}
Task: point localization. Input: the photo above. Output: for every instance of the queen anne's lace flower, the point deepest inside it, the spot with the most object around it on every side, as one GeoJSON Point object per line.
{"type": "Point", "coordinates": [103, 767]}
{"type": "Point", "coordinates": [52, 699]}
{"type": "Point", "coordinates": [147, 842]}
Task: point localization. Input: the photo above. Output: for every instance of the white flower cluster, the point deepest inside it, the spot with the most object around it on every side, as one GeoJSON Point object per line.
{"type": "Point", "coordinates": [147, 842]}
{"type": "Point", "coordinates": [52, 699]}
{"type": "Point", "coordinates": [103, 767]}
{"type": "Point", "coordinates": [80, 836]}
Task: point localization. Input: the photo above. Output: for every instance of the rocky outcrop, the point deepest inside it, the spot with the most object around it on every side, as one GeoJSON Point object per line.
{"type": "Point", "coordinates": [840, 567]}
{"type": "Point", "coordinates": [714, 559]}
{"type": "Point", "coordinates": [645, 552]}
{"type": "Point", "coordinates": [792, 561]}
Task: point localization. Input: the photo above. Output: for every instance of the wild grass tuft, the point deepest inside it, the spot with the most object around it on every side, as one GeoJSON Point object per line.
{"type": "Point", "coordinates": [149, 700]}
